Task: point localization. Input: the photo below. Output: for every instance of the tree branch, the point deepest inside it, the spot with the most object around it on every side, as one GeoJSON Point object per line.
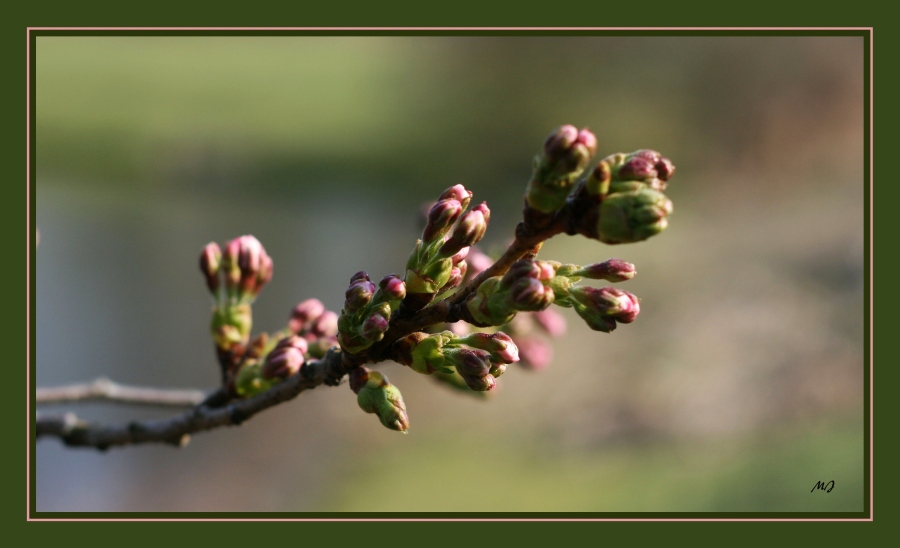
{"type": "Point", "coordinates": [177, 430]}
{"type": "Point", "coordinates": [105, 389]}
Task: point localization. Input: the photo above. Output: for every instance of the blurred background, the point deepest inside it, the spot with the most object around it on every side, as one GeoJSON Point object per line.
{"type": "Point", "coordinates": [737, 389]}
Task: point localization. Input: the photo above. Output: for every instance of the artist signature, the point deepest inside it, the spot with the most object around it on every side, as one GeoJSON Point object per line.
{"type": "Point", "coordinates": [822, 486]}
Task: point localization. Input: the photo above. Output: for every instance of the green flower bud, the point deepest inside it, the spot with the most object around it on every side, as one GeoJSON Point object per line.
{"type": "Point", "coordinates": [423, 353]}
{"type": "Point", "coordinates": [250, 382]}
{"type": "Point", "coordinates": [375, 394]}
{"type": "Point", "coordinates": [633, 216]}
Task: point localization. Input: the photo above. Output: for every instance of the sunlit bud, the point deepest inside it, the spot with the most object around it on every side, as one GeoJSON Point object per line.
{"type": "Point", "coordinates": [441, 219]}
{"type": "Point", "coordinates": [265, 272]}
{"type": "Point", "coordinates": [602, 307]}
{"type": "Point", "coordinates": [633, 216]}
{"type": "Point", "coordinates": [460, 255]}
{"type": "Point", "coordinates": [612, 270]}
{"type": "Point", "coordinates": [210, 262]}
{"type": "Point", "coordinates": [551, 322]}
{"type": "Point", "coordinates": [457, 274]}
{"type": "Point", "coordinates": [393, 287]}
{"type": "Point", "coordinates": [286, 358]}
{"type": "Point", "coordinates": [230, 264]}
{"type": "Point", "coordinates": [374, 326]}
{"type": "Point", "coordinates": [497, 369]}
{"type": "Point", "coordinates": [501, 347]}
{"type": "Point", "coordinates": [468, 231]}
{"type": "Point", "coordinates": [359, 294]}
{"type": "Point", "coordinates": [423, 353]}
{"type": "Point", "coordinates": [304, 314]}
{"type": "Point", "coordinates": [250, 262]}
{"type": "Point", "coordinates": [375, 394]}
{"type": "Point", "coordinates": [566, 153]}
{"type": "Point", "coordinates": [458, 193]}
{"type": "Point", "coordinates": [523, 268]}
{"type": "Point", "coordinates": [530, 294]}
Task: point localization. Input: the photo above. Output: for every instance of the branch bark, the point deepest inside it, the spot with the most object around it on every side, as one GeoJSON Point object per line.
{"type": "Point", "coordinates": [107, 390]}
{"type": "Point", "coordinates": [177, 430]}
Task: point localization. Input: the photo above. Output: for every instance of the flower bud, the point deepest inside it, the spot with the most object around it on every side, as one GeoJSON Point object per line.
{"type": "Point", "coordinates": [458, 193]}
{"type": "Point", "coordinates": [375, 394]}
{"type": "Point", "coordinates": [393, 287]}
{"type": "Point", "coordinates": [210, 263]}
{"type": "Point", "coordinates": [286, 358]}
{"type": "Point", "coordinates": [602, 308]}
{"type": "Point", "coordinates": [633, 216]}
{"type": "Point", "coordinates": [501, 347]}
{"type": "Point", "coordinates": [374, 326]}
{"type": "Point", "coordinates": [325, 325]}
{"type": "Point", "coordinates": [566, 153]}
{"type": "Point", "coordinates": [421, 352]}
{"type": "Point", "coordinates": [440, 219]}
{"type": "Point", "coordinates": [530, 294]}
{"type": "Point", "coordinates": [480, 384]}
{"type": "Point", "coordinates": [304, 314]}
{"type": "Point", "coordinates": [247, 267]}
{"type": "Point", "coordinates": [612, 270]}
{"type": "Point", "coordinates": [457, 274]}
{"type": "Point", "coordinates": [358, 295]}
{"type": "Point", "coordinates": [471, 363]}
{"type": "Point", "coordinates": [468, 231]}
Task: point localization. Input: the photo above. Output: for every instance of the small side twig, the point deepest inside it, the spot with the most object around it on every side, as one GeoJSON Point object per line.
{"type": "Point", "coordinates": [177, 430]}
{"type": "Point", "coordinates": [107, 390]}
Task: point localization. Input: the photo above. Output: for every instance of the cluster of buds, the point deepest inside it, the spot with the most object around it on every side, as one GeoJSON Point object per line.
{"type": "Point", "coordinates": [478, 358]}
{"type": "Point", "coordinates": [318, 326]}
{"type": "Point", "coordinates": [618, 201]}
{"type": "Point", "coordinates": [601, 308]}
{"type": "Point", "coordinates": [566, 154]}
{"type": "Point", "coordinates": [437, 264]}
{"type": "Point", "coordinates": [526, 286]}
{"type": "Point", "coordinates": [375, 394]}
{"type": "Point", "coordinates": [367, 310]}
{"type": "Point", "coordinates": [234, 278]}
{"type": "Point", "coordinates": [621, 200]}
{"type": "Point", "coordinates": [285, 359]}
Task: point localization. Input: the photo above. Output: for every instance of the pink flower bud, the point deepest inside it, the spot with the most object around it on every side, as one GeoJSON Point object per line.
{"type": "Point", "coordinates": [286, 358]}
{"type": "Point", "coordinates": [393, 287]}
{"type": "Point", "coordinates": [441, 218]}
{"type": "Point", "coordinates": [359, 294]}
{"type": "Point", "coordinates": [374, 326]}
{"type": "Point", "coordinates": [325, 325]}
{"type": "Point", "coordinates": [460, 255]}
{"type": "Point", "coordinates": [472, 363]}
{"type": "Point", "coordinates": [612, 270]}
{"type": "Point", "coordinates": [458, 193]}
{"type": "Point", "coordinates": [480, 384]}
{"type": "Point", "coordinates": [210, 263]}
{"type": "Point", "coordinates": [304, 314]}
{"type": "Point", "coordinates": [530, 294]}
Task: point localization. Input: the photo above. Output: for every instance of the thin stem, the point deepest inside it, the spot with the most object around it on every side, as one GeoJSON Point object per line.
{"type": "Point", "coordinates": [105, 389]}
{"type": "Point", "coordinates": [177, 430]}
